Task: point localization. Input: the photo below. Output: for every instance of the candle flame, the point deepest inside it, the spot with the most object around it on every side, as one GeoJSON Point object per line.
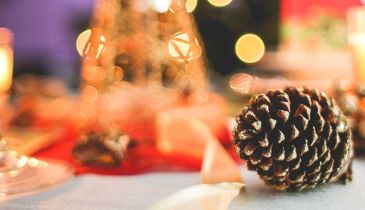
{"type": "Point", "coordinates": [6, 67]}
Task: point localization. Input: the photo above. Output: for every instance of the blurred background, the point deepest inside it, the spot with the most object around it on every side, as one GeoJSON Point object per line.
{"type": "Point", "coordinates": [98, 70]}
{"type": "Point", "coordinates": [46, 32]}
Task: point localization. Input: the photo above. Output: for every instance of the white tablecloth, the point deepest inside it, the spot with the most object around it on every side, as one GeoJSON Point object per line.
{"type": "Point", "coordinates": [93, 192]}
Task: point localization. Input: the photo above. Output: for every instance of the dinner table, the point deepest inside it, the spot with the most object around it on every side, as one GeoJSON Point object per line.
{"type": "Point", "coordinates": [141, 191]}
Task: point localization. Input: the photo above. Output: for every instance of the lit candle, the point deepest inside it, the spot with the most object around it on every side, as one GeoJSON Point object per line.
{"type": "Point", "coordinates": [6, 60]}
{"type": "Point", "coordinates": [356, 39]}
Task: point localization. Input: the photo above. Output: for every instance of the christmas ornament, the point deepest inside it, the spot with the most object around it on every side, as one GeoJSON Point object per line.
{"type": "Point", "coordinates": [295, 138]}
{"type": "Point", "coordinates": [86, 42]}
{"type": "Point", "coordinates": [184, 47]}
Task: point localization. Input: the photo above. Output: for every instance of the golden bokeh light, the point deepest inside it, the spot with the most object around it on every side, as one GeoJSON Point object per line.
{"type": "Point", "coordinates": [191, 5]}
{"type": "Point", "coordinates": [83, 43]}
{"type": "Point", "coordinates": [184, 47]}
{"type": "Point", "coordinates": [250, 48]}
{"type": "Point", "coordinates": [219, 3]}
{"type": "Point", "coordinates": [160, 6]}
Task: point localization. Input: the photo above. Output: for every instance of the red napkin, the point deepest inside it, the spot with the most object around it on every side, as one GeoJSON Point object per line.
{"type": "Point", "coordinates": [141, 158]}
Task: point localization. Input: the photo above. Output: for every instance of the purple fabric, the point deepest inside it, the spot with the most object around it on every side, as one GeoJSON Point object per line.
{"type": "Point", "coordinates": [44, 28]}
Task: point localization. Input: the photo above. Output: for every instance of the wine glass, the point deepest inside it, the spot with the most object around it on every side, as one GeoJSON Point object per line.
{"type": "Point", "coordinates": [19, 174]}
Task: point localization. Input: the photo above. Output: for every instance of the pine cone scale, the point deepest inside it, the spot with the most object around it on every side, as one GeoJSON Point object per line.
{"type": "Point", "coordinates": [294, 138]}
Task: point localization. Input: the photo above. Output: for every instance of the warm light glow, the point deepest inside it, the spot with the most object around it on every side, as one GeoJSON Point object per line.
{"type": "Point", "coordinates": [6, 68]}
{"type": "Point", "coordinates": [241, 83]}
{"type": "Point", "coordinates": [13, 154]}
{"type": "Point", "coordinates": [219, 3]}
{"type": "Point", "coordinates": [250, 48]}
{"type": "Point", "coordinates": [191, 5]}
{"type": "Point", "coordinates": [356, 38]}
{"type": "Point", "coordinates": [13, 173]}
{"type": "Point", "coordinates": [83, 43]}
{"type": "Point", "coordinates": [33, 162]}
{"type": "Point", "coordinates": [357, 46]}
{"type": "Point", "coordinates": [184, 47]}
{"type": "Point", "coordinates": [160, 6]}
{"type": "Point", "coordinates": [21, 161]}
{"type": "Point", "coordinates": [6, 59]}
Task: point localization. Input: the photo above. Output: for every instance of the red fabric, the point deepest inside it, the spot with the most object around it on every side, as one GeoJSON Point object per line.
{"type": "Point", "coordinates": [301, 9]}
{"type": "Point", "coordinates": [140, 159]}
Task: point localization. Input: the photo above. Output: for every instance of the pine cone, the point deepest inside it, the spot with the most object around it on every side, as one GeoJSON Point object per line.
{"type": "Point", "coordinates": [295, 138]}
{"type": "Point", "coordinates": [101, 148]}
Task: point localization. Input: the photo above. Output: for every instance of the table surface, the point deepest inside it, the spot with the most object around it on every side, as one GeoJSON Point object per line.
{"type": "Point", "coordinates": [94, 192]}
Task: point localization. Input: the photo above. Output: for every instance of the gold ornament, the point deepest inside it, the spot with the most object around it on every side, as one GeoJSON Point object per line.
{"type": "Point", "coordinates": [184, 47]}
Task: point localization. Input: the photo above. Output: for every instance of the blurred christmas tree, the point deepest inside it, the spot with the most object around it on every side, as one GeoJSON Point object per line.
{"type": "Point", "coordinates": [142, 58]}
{"type": "Point", "coordinates": [144, 42]}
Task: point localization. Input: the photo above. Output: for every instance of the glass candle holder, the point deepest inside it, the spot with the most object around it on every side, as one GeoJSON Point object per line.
{"type": "Point", "coordinates": [6, 60]}
{"type": "Point", "coordinates": [19, 174]}
{"type": "Point", "coordinates": [356, 40]}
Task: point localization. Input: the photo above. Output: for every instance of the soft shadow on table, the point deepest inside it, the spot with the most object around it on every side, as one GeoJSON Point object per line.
{"type": "Point", "coordinates": [256, 195]}
{"type": "Point", "coordinates": [33, 200]}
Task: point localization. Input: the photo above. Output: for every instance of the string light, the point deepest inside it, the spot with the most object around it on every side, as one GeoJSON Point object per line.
{"type": "Point", "coordinates": [250, 48]}
{"type": "Point", "coordinates": [184, 47]}
{"type": "Point", "coordinates": [118, 73]}
{"type": "Point", "coordinates": [160, 6]}
{"type": "Point", "coordinates": [191, 5]}
{"type": "Point", "coordinates": [219, 3]}
{"type": "Point", "coordinates": [83, 44]}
